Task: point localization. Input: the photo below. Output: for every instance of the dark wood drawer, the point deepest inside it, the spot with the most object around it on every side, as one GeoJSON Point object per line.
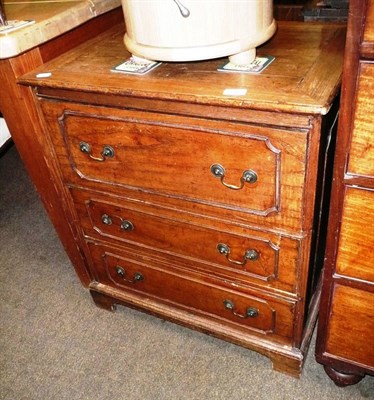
{"type": "Point", "coordinates": [368, 34]}
{"type": "Point", "coordinates": [263, 314]}
{"type": "Point", "coordinates": [203, 162]}
{"type": "Point", "coordinates": [256, 257]}
{"type": "Point", "coordinates": [361, 157]}
{"type": "Point", "coordinates": [355, 258]}
{"type": "Point", "coordinates": [351, 326]}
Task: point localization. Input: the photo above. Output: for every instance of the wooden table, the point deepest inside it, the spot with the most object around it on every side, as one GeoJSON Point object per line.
{"type": "Point", "coordinates": [26, 52]}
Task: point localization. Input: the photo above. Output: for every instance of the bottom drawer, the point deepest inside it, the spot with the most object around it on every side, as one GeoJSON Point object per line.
{"type": "Point", "coordinates": [260, 313]}
{"type": "Point", "coordinates": [351, 326]}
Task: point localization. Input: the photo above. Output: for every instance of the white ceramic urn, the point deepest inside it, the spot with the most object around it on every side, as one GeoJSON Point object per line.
{"type": "Point", "coordinates": [189, 30]}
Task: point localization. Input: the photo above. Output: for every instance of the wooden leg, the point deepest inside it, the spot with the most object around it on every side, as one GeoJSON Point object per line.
{"type": "Point", "coordinates": [289, 366]}
{"type": "Point", "coordinates": [342, 378]}
{"type": "Point", "coordinates": [103, 301]}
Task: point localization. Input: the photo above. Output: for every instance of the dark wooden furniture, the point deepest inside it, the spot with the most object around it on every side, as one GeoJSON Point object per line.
{"type": "Point", "coordinates": [345, 342]}
{"type": "Point", "coordinates": [17, 101]}
{"type": "Point", "coordinates": [189, 200]}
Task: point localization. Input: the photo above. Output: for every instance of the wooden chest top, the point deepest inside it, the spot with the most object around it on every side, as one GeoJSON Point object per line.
{"type": "Point", "coordinates": [304, 77]}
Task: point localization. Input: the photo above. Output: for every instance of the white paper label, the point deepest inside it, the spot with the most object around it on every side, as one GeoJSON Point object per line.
{"type": "Point", "coordinates": [235, 92]}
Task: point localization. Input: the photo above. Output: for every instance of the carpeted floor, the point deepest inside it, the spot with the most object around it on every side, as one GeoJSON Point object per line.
{"type": "Point", "coordinates": [55, 344]}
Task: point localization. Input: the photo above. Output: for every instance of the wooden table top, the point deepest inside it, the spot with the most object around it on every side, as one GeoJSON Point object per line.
{"type": "Point", "coordinates": [52, 18]}
{"type": "Point", "coordinates": [304, 77]}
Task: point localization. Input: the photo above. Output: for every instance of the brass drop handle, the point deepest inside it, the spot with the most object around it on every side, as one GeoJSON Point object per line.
{"type": "Point", "coordinates": [249, 254]}
{"type": "Point", "coordinates": [105, 218]}
{"type": "Point", "coordinates": [107, 152]}
{"type": "Point", "coordinates": [248, 176]}
{"type": "Point", "coordinates": [122, 273]}
{"type": "Point", "coordinates": [251, 312]}
{"type": "Point", "coordinates": [126, 225]}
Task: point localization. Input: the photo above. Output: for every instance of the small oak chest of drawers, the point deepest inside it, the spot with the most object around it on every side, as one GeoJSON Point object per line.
{"type": "Point", "coordinates": [190, 201]}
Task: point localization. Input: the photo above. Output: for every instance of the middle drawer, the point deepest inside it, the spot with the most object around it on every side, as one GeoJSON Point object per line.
{"type": "Point", "coordinates": [258, 258]}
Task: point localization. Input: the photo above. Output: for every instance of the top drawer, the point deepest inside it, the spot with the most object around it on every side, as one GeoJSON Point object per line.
{"type": "Point", "coordinates": [235, 168]}
{"type": "Point", "coordinates": [366, 36]}
{"type": "Point", "coordinates": [369, 23]}
{"type": "Point", "coordinates": [361, 158]}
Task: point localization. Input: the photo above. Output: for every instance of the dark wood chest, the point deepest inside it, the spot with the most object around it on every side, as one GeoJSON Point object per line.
{"type": "Point", "coordinates": [345, 343]}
